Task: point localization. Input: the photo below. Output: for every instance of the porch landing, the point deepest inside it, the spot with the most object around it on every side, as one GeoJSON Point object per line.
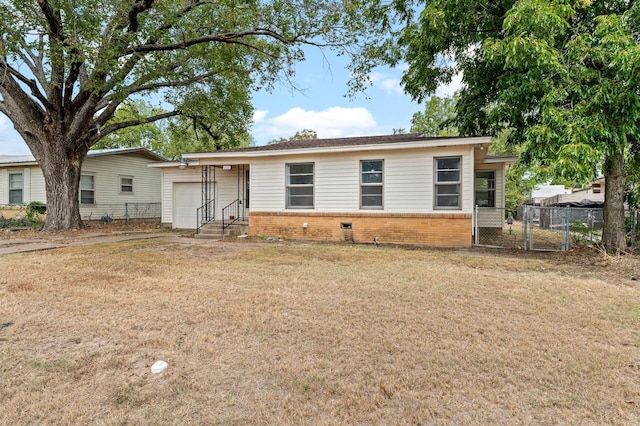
{"type": "Point", "coordinates": [213, 230]}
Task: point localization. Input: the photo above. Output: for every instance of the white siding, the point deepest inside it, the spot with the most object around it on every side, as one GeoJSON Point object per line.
{"type": "Point", "coordinates": [226, 187]}
{"type": "Point", "coordinates": [337, 184]}
{"type": "Point", "coordinates": [107, 171]}
{"type": "Point", "coordinates": [267, 185]}
{"type": "Point", "coordinates": [38, 192]}
{"type": "Point", "coordinates": [408, 180]}
{"type": "Point", "coordinates": [109, 168]}
{"type": "Point", "coordinates": [4, 187]}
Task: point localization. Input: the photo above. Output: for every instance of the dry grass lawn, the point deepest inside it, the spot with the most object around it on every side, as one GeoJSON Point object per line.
{"type": "Point", "coordinates": [277, 333]}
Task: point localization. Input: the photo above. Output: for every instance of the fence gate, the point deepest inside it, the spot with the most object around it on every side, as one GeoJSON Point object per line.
{"type": "Point", "coordinates": [493, 227]}
{"type": "Point", "coordinates": [545, 228]}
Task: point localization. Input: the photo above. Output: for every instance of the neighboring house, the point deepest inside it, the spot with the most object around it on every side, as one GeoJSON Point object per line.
{"type": "Point", "coordinates": [404, 188]}
{"type": "Point", "coordinates": [542, 192]}
{"type": "Point", "coordinates": [590, 197]}
{"type": "Point", "coordinates": [110, 177]}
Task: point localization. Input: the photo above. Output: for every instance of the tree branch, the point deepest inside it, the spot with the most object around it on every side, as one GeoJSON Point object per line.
{"type": "Point", "coordinates": [70, 81]}
{"type": "Point", "coordinates": [30, 60]}
{"type": "Point", "coordinates": [53, 19]}
{"type": "Point", "coordinates": [131, 62]}
{"type": "Point", "coordinates": [137, 8]}
{"type": "Point", "coordinates": [56, 41]}
{"type": "Point", "coordinates": [163, 84]}
{"type": "Point", "coordinates": [124, 124]}
{"type": "Point", "coordinates": [26, 81]}
{"type": "Point", "coordinates": [232, 37]}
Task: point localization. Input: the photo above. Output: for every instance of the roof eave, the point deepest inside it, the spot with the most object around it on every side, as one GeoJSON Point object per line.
{"type": "Point", "coordinates": [143, 151]}
{"type": "Point", "coordinates": [433, 143]}
{"type": "Point", "coordinates": [498, 160]}
{"type": "Point", "coordinates": [19, 164]}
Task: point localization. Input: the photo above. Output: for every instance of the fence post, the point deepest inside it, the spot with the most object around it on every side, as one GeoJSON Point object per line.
{"type": "Point", "coordinates": [566, 229]}
{"type": "Point", "coordinates": [475, 226]}
{"type": "Point", "coordinates": [524, 227]}
{"type": "Point", "coordinates": [634, 220]}
{"type": "Point", "coordinates": [126, 213]}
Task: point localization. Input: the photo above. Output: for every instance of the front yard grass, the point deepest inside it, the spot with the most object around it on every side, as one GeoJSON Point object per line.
{"type": "Point", "coordinates": [278, 333]}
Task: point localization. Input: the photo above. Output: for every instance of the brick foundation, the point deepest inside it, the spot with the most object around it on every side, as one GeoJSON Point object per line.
{"type": "Point", "coordinates": [430, 229]}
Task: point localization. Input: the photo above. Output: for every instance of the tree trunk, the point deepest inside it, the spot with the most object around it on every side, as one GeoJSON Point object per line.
{"type": "Point", "coordinates": [613, 234]}
{"type": "Point", "coordinates": [61, 170]}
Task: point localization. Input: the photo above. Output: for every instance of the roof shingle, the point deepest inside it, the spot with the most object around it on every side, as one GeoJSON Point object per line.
{"type": "Point", "coordinates": [335, 142]}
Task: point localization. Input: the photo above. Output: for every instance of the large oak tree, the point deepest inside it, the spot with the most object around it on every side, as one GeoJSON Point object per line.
{"type": "Point", "coordinates": [68, 65]}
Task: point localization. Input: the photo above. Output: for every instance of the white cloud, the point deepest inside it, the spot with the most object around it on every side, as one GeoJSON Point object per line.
{"type": "Point", "coordinates": [334, 122]}
{"type": "Point", "coordinates": [259, 115]}
{"type": "Point", "coordinates": [450, 89]}
{"type": "Point", "coordinates": [389, 83]}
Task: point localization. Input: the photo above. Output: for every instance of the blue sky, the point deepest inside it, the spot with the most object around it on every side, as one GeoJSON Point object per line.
{"type": "Point", "coordinates": [320, 105]}
{"type": "Point", "coordinates": [324, 108]}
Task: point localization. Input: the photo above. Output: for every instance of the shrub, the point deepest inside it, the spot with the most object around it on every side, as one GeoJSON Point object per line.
{"type": "Point", "coordinates": [36, 207]}
{"type": "Point", "coordinates": [31, 217]}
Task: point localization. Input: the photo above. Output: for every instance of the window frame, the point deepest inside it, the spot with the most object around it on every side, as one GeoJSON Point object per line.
{"type": "Point", "coordinates": [490, 191]}
{"type": "Point", "coordinates": [15, 190]}
{"type": "Point", "coordinates": [364, 184]}
{"type": "Point", "coordinates": [92, 190]}
{"type": "Point", "coordinates": [289, 186]}
{"type": "Point", "coordinates": [122, 185]}
{"type": "Point", "coordinates": [437, 183]}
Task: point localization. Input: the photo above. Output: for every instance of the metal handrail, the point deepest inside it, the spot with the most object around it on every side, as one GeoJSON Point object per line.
{"type": "Point", "coordinates": [205, 214]}
{"type": "Point", "coordinates": [231, 214]}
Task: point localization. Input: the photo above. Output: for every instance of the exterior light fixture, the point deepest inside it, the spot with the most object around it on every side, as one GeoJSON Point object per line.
{"type": "Point", "coordinates": [226, 167]}
{"type": "Point", "coordinates": [184, 163]}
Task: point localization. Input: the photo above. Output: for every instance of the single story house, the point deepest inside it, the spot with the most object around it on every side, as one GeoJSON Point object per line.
{"type": "Point", "coordinates": [111, 179]}
{"type": "Point", "coordinates": [406, 188]}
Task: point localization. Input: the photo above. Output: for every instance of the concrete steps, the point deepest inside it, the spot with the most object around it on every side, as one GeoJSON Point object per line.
{"type": "Point", "coordinates": [213, 230]}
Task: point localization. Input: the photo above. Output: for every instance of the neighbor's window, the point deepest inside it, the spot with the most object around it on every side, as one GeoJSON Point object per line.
{"type": "Point", "coordinates": [371, 184]}
{"type": "Point", "coordinates": [87, 189]}
{"type": "Point", "coordinates": [447, 182]}
{"type": "Point", "coordinates": [300, 186]}
{"type": "Point", "coordinates": [126, 184]}
{"type": "Point", "coordinates": [16, 185]}
{"type": "Point", "coordinates": [485, 185]}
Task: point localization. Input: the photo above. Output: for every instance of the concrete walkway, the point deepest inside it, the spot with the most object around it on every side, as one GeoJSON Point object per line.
{"type": "Point", "coordinates": [17, 245]}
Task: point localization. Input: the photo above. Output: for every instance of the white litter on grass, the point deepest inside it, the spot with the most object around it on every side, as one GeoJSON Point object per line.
{"type": "Point", "coordinates": [159, 367]}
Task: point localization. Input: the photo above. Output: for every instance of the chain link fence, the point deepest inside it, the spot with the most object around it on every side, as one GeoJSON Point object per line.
{"type": "Point", "coordinates": [560, 228]}
{"type": "Point", "coordinates": [127, 212]}
{"type": "Point", "coordinates": [494, 227]}
{"type": "Point", "coordinates": [544, 228]}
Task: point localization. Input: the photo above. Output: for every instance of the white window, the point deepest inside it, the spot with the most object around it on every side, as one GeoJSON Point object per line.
{"type": "Point", "coordinates": [300, 186]}
{"type": "Point", "coordinates": [485, 188]}
{"type": "Point", "coordinates": [371, 184]}
{"type": "Point", "coordinates": [126, 184]}
{"type": "Point", "coordinates": [447, 182]}
{"type": "Point", "coordinates": [16, 186]}
{"type": "Point", "coordinates": [87, 189]}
